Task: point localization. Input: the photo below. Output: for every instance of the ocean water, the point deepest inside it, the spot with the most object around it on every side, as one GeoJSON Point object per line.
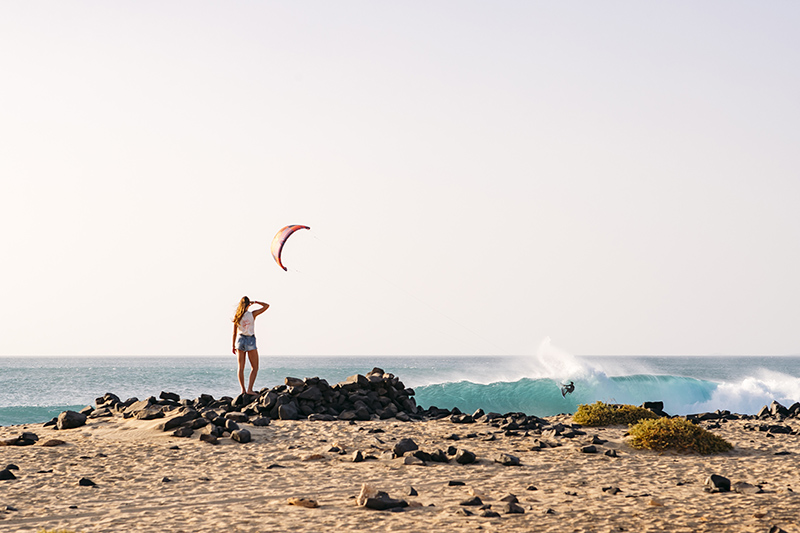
{"type": "Point", "coordinates": [35, 389]}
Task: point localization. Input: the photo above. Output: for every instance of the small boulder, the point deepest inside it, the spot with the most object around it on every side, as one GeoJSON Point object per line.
{"type": "Point", "coordinates": [715, 483]}
{"type": "Point", "coordinates": [513, 508]}
{"type": "Point", "coordinates": [207, 437]}
{"type": "Point", "coordinates": [169, 396]}
{"type": "Point", "coordinates": [382, 502]}
{"type": "Point", "coordinates": [6, 474]}
{"type": "Point", "coordinates": [86, 482]}
{"type": "Point", "coordinates": [506, 459]}
{"type": "Point", "coordinates": [70, 420]}
{"type": "Point", "coordinates": [403, 446]}
{"type": "Point", "coordinates": [241, 435]}
{"type": "Point", "coordinates": [474, 501]}
{"type": "Point", "coordinates": [465, 457]}
{"type": "Point", "coordinates": [183, 432]}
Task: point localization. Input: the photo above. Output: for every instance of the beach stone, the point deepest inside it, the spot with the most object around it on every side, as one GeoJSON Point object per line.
{"type": "Point", "coordinates": [488, 513]}
{"type": "Point", "coordinates": [715, 483]}
{"type": "Point", "coordinates": [101, 412]}
{"type": "Point", "coordinates": [612, 490]}
{"type": "Point", "coordinates": [357, 457]}
{"type": "Point", "coordinates": [169, 396]}
{"type": "Point", "coordinates": [211, 439]}
{"type": "Point", "coordinates": [453, 483]}
{"type": "Point", "coordinates": [746, 488]}
{"type": "Point", "coordinates": [237, 416]}
{"type": "Point", "coordinates": [230, 425]}
{"type": "Point", "coordinates": [181, 416]}
{"type": "Point", "coordinates": [506, 459]}
{"type": "Point", "coordinates": [288, 411]}
{"type": "Point", "coordinates": [312, 394]}
{"type": "Point", "coordinates": [165, 479]}
{"type": "Point", "coordinates": [199, 423]}
{"type": "Point", "coordinates": [776, 409]}
{"type": "Point", "coordinates": [411, 491]}
{"type": "Point", "coordinates": [52, 442]}
{"type": "Point", "coordinates": [776, 529]}
{"type": "Point", "coordinates": [464, 457]}
{"type": "Point", "coordinates": [589, 449]}
{"type": "Point", "coordinates": [70, 420]}
{"type": "Point", "coordinates": [403, 446]}
{"type": "Point", "coordinates": [150, 413]}
{"type": "Point", "coordinates": [412, 460]}
{"type": "Point", "coordinates": [383, 502]}
{"type": "Point", "coordinates": [464, 512]}
{"type": "Point", "coordinates": [183, 432]}
{"type": "Point", "coordinates": [6, 475]}
{"type": "Point", "coordinates": [474, 501]}
{"type": "Point", "coordinates": [319, 417]}
{"type": "Point", "coordinates": [611, 453]}
{"type": "Point", "coordinates": [513, 508]}
{"type": "Point", "coordinates": [509, 498]}
{"type": "Point", "coordinates": [86, 482]}
{"type": "Point", "coordinates": [261, 421]}
{"type": "Point", "coordinates": [241, 436]}
{"type": "Point", "coordinates": [402, 417]}
{"type": "Point", "coordinates": [294, 382]}
{"type": "Point", "coordinates": [462, 419]}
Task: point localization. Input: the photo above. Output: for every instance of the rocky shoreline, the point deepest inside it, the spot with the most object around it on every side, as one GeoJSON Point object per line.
{"type": "Point", "coordinates": [364, 446]}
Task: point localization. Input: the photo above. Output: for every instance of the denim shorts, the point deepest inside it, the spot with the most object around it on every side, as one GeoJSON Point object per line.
{"type": "Point", "coordinates": [246, 343]}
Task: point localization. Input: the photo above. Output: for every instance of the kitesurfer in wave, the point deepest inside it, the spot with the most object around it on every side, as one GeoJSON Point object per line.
{"type": "Point", "coordinates": [245, 344]}
{"type": "Point", "coordinates": [567, 389]}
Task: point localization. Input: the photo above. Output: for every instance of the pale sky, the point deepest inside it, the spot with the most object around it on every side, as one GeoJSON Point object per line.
{"type": "Point", "coordinates": [621, 177]}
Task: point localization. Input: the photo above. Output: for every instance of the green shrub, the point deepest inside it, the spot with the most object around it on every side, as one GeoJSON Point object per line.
{"type": "Point", "coordinates": [677, 434]}
{"type": "Point", "coordinates": [603, 414]}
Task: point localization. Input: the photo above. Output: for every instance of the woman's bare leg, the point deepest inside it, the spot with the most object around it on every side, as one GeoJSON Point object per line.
{"type": "Point", "coordinates": [253, 356]}
{"type": "Point", "coordinates": [240, 369]}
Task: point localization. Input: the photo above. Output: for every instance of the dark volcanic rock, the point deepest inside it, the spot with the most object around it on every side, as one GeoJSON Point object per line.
{"type": "Point", "coordinates": [383, 502]}
{"type": "Point", "coordinates": [169, 396]}
{"type": "Point", "coordinates": [211, 439]}
{"type": "Point", "coordinates": [715, 483]}
{"type": "Point", "coordinates": [237, 416]}
{"type": "Point", "coordinates": [589, 449]}
{"type": "Point", "coordinates": [474, 501]}
{"type": "Point", "coordinates": [183, 432]}
{"type": "Point", "coordinates": [241, 435]}
{"type": "Point", "coordinates": [746, 488]}
{"type": "Point", "coordinates": [288, 411]}
{"type": "Point", "coordinates": [6, 474]}
{"type": "Point", "coordinates": [261, 421]}
{"type": "Point", "coordinates": [86, 482]}
{"type": "Point", "coordinates": [178, 417]}
{"type": "Point", "coordinates": [513, 508]}
{"type": "Point", "coordinates": [403, 446]}
{"type": "Point", "coordinates": [506, 459]}
{"type": "Point", "coordinates": [70, 420]}
{"type": "Point", "coordinates": [465, 457]}
{"type": "Point", "coordinates": [150, 413]}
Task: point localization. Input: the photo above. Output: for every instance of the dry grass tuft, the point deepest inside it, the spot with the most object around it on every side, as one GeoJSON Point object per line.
{"type": "Point", "coordinates": [677, 434]}
{"type": "Point", "coordinates": [603, 414]}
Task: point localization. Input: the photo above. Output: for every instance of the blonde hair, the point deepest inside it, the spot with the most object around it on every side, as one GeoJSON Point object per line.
{"type": "Point", "coordinates": [244, 303]}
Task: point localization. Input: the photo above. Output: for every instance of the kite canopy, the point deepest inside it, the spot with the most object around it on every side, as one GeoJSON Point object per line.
{"type": "Point", "coordinates": [280, 239]}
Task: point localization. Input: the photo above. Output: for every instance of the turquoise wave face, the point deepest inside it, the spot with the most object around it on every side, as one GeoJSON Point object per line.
{"type": "Point", "coordinates": [18, 415]}
{"type": "Point", "coordinates": [542, 397]}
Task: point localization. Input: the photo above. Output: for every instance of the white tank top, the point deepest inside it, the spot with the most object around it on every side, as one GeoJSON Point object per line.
{"type": "Point", "coordinates": [247, 324]}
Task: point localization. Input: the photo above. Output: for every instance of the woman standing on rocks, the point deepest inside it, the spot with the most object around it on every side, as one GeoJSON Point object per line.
{"type": "Point", "coordinates": [244, 322]}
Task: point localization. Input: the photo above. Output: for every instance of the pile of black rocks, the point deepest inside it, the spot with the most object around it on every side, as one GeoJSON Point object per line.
{"type": "Point", "coordinates": [378, 395]}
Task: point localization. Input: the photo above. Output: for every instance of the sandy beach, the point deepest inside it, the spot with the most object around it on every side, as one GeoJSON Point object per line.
{"type": "Point", "coordinates": [148, 480]}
